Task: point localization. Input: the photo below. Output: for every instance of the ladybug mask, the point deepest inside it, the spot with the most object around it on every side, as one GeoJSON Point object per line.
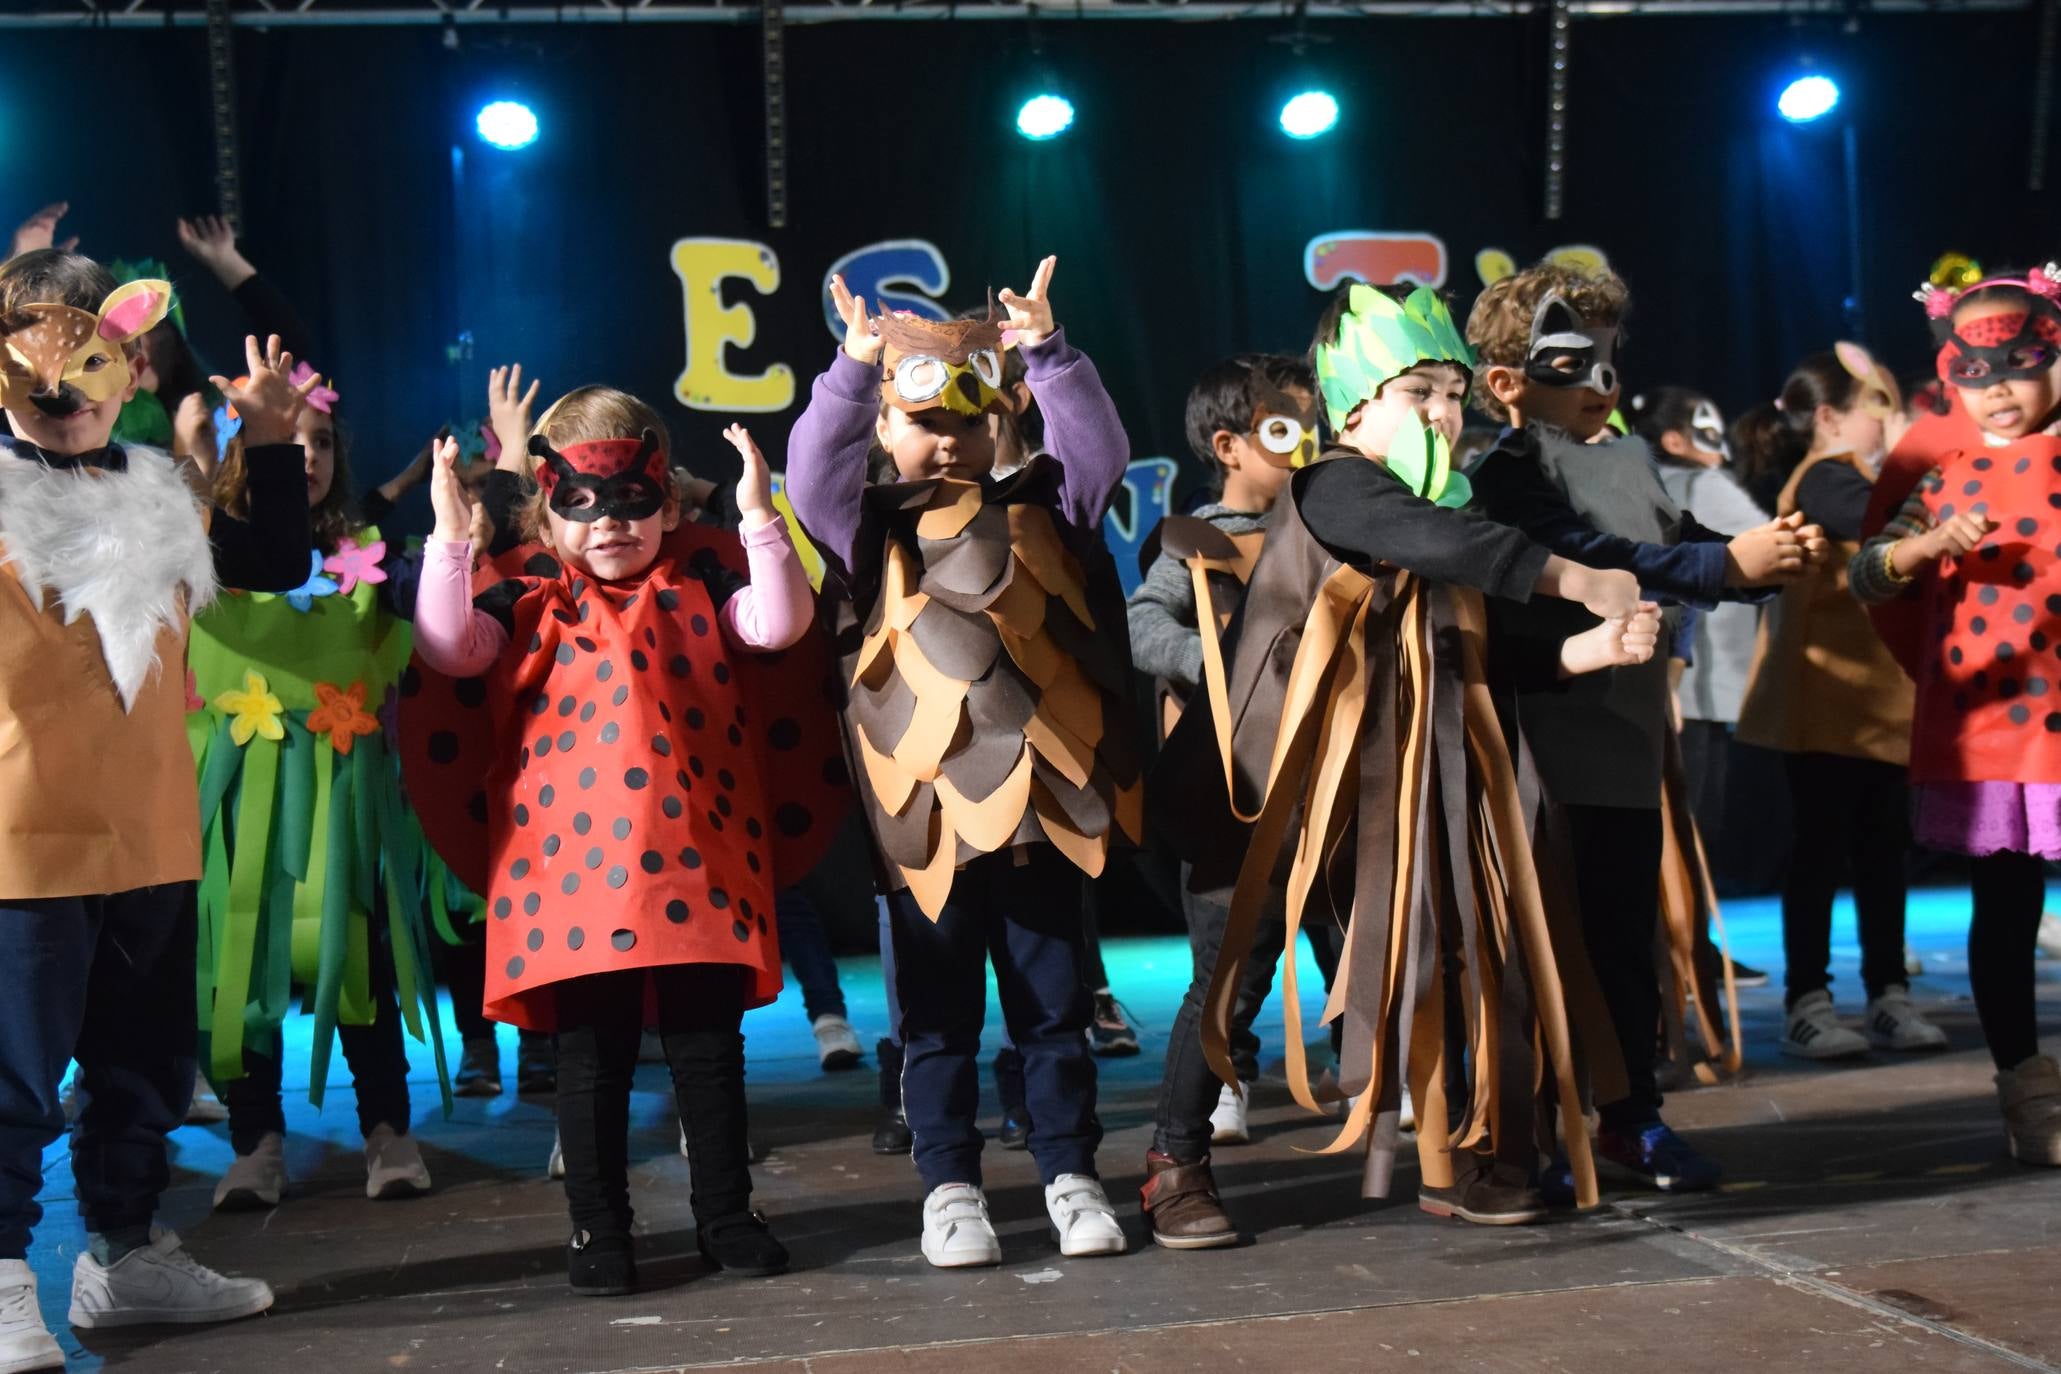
{"type": "Point", "coordinates": [626, 478]}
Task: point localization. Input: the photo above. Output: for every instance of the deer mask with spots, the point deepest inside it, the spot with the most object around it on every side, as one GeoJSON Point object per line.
{"type": "Point", "coordinates": [60, 359]}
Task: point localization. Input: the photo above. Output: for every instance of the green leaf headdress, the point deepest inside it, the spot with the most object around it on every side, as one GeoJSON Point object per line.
{"type": "Point", "coordinates": [1380, 338]}
{"type": "Point", "coordinates": [1419, 457]}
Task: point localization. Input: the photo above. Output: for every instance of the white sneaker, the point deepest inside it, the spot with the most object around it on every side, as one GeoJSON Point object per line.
{"type": "Point", "coordinates": [393, 1166]}
{"type": "Point", "coordinates": [1894, 1024]}
{"type": "Point", "coordinates": [1812, 1030]}
{"type": "Point", "coordinates": [206, 1109]}
{"type": "Point", "coordinates": [255, 1181]}
{"type": "Point", "coordinates": [25, 1343]}
{"type": "Point", "coordinates": [1082, 1219]}
{"type": "Point", "coordinates": [956, 1232]}
{"type": "Point", "coordinates": [2048, 941]}
{"type": "Point", "coordinates": [1406, 1112]}
{"type": "Point", "coordinates": [159, 1283]}
{"type": "Point", "coordinates": [555, 1166]}
{"type": "Point", "coordinates": [1227, 1125]}
{"type": "Point", "coordinates": [837, 1047]}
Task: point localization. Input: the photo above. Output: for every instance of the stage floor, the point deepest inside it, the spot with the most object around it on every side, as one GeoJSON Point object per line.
{"type": "Point", "coordinates": [1871, 1222]}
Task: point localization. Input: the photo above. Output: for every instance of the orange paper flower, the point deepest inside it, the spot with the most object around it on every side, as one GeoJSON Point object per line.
{"type": "Point", "coordinates": [341, 715]}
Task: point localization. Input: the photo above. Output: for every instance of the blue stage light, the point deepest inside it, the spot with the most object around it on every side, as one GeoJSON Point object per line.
{"type": "Point", "coordinates": [1309, 115]}
{"type": "Point", "coordinates": [1044, 116]}
{"type": "Point", "coordinates": [507, 124]}
{"type": "Point", "coordinates": [1808, 98]}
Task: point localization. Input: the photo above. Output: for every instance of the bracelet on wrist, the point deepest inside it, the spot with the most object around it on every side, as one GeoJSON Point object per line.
{"type": "Point", "coordinates": [1889, 564]}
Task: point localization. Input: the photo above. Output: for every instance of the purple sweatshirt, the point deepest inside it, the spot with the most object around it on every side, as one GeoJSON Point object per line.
{"type": "Point", "coordinates": [827, 450]}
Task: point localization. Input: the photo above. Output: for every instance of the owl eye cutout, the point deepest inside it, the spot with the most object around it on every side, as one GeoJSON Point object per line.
{"type": "Point", "coordinates": [987, 366]}
{"type": "Point", "coordinates": [921, 377]}
{"type": "Point", "coordinates": [1279, 434]}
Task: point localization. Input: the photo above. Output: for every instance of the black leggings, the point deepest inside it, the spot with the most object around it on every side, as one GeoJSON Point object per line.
{"type": "Point", "coordinates": [1852, 824]}
{"type": "Point", "coordinates": [2010, 892]}
{"type": "Point", "coordinates": [1616, 851]}
{"type": "Point", "coordinates": [600, 1019]}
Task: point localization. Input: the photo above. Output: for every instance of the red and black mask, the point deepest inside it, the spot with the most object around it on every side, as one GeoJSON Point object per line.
{"type": "Point", "coordinates": [626, 477]}
{"type": "Point", "coordinates": [2010, 347]}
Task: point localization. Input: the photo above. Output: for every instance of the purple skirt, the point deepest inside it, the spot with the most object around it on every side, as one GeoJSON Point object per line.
{"type": "Point", "coordinates": [1985, 817]}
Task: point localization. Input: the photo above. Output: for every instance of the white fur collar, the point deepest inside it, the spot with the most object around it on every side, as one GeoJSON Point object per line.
{"type": "Point", "coordinates": [121, 547]}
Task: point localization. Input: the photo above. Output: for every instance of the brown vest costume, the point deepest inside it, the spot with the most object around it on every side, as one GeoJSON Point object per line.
{"type": "Point", "coordinates": [1366, 751]}
{"type": "Point", "coordinates": [987, 687]}
{"type": "Point", "coordinates": [1220, 565]}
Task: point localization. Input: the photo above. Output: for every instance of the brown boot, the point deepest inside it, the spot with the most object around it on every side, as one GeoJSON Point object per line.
{"type": "Point", "coordinates": [2031, 1098]}
{"type": "Point", "coordinates": [1484, 1193]}
{"type": "Point", "coordinates": [1180, 1201]}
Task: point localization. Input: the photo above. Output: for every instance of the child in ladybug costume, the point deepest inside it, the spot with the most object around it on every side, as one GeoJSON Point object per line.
{"type": "Point", "coordinates": [1977, 545]}
{"type": "Point", "coordinates": [598, 748]}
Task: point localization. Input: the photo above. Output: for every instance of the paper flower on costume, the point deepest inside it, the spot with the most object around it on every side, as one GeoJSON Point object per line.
{"type": "Point", "coordinates": [354, 563]}
{"type": "Point", "coordinates": [1420, 457]}
{"type": "Point", "coordinates": [341, 715]}
{"type": "Point", "coordinates": [252, 711]}
{"type": "Point", "coordinates": [302, 598]}
{"type": "Point", "coordinates": [194, 700]}
{"type": "Point", "coordinates": [1380, 338]}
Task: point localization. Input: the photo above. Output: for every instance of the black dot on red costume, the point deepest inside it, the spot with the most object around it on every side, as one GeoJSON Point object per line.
{"type": "Point", "coordinates": [726, 780]}
{"type": "Point", "coordinates": [1954, 656]}
{"type": "Point", "coordinates": [519, 870]}
{"type": "Point", "coordinates": [575, 937]}
{"type": "Point", "coordinates": [2007, 651]}
{"type": "Point", "coordinates": [543, 745]}
{"type": "Point", "coordinates": [579, 586]}
{"type": "Point", "coordinates": [622, 694]}
{"type": "Point", "coordinates": [686, 783]}
{"type": "Point", "coordinates": [522, 814]}
{"type": "Point", "coordinates": [695, 719]}
{"type": "Point", "coordinates": [671, 806]}
{"type": "Point", "coordinates": [565, 653]}
{"type": "Point", "coordinates": [722, 672]}
{"type": "Point", "coordinates": [2053, 722]}
{"type": "Point", "coordinates": [587, 776]}
{"type": "Point", "coordinates": [443, 746]}
{"type": "Point", "coordinates": [652, 861]}
{"type": "Point", "coordinates": [741, 931]}
{"type": "Point", "coordinates": [546, 795]}
{"type": "Point", "coordinates": [2022, 614]}
{"type": "Point", "coordinates": [611, 732]}
{"type": "Point", "coordinates": [665, 713]}
{"type": "Point", "coordinates": [411, 681]}
{"type": "Point", "coordinates": [1978, 626]}
{"type": "Point", "coordinates": [677, 912]}
{"type": "Point", "coordinates": [586, 612]}
{"type": "Point", "coordinates": [570, 885]}
{"type": "Point", "coordinates": [784, 734]}
{"type": "Point", "coordinates": [650, 638]}
{"type": "Point", "coordinates": [2028, 526]}
{"type": "Point", "coordinates": [586, 645]}
{"type": "Point", "coordinates": [515, 967]}
{"type": "Point", "coordinates": [618, 875]}
{"type": "Point", "coordinates": [1971, 488]}
{"type": "Point", "coordinates": [715, 821]}
{"type": "Point", "coordinates": [751, 861]}
{"type": "Point", "coordinates": [680, 667]}
{"type": "Point", "coordinates": [753, 828]}
{"type": "Point", "coordinates": [2023, 572]}
{"type": "Point", "coordinates": [668, 599]}
{"type": "Point", "coordinates": [587, 713]}
{"type": "Point", "coordinates": [2019, 715]}
{"type": "Point", "coordinates": [2022, 466]}
{"type": "Point", "coordinates": [636, 779]}
{"type": "Point", "coordinates": [536, 641]}
{"type": "Point", "coordinates": [736, 736]}
{"type": "Point", "coordinates": [723, 805]}
{"type": "Point", "coordinates": [563, 616]}
{"type": "Point", "coordinates": [699, 624]}
{"type": "Point", "coordinates": [1982, 465]}
{"type": "Point", "coordinates": [2035, 686]}
{"type": "Point", "coordinates": [551, 845]}
{"type": "Point", "coordinates": [605, 671]}
{"type": "Point", "coordinates": [696, 767]}
{"type": "Point", "coordinates": [624, 940]}
{"type": "Point", "coordinates": [621, 828]}
{"type": "Point", "coordinates": [503, 908]}
{"type": "Point", "coordinates": [531, 903]}
{"type": "Point", "coordinates": [690, 857]}
{"type": "Point", "coordinates": [1946, 512]}
{"type": "Point", "coordinates": [541, 704]}
{"type": "Point", "coordinates": [2008, 688]}
{"type": "Point", "coordinates": [1988, 596]}
{"type": "Point", "coordinates": [793, 819]}
{"type": "Point", "coordinates": [535, 940]}
{"type": "Point", "coordinates": [567, 705]}
{"type": "Point", "coordinates": [470, 691]}
{"type": "Point", "coordinates": [762, 923]}
{"type": "Point", "coordinates": [1991, 553]}
{"type": "Point", "coordinates": [638, 660]}
{"type": "Point", "coordinates": [582, 823]}
{"type": "Point", "coordinates": [594, 857]}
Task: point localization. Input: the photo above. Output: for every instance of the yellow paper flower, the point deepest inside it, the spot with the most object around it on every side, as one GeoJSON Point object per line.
{"type": "Point", "coordinates": [252, 711]}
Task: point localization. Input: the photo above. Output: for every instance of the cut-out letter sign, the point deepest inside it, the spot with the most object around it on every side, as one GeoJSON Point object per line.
{"type": "Point", "coordinates": [713, 328]}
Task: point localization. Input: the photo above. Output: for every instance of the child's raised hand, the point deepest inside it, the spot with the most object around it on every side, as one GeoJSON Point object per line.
{"type": "Point", "coordinates": [755, 487]}
{"type": "Point", "coordinates": [1030, 315]}
{"type": "Point", "coordinates": [861, 344]}
{"type": "Point", "coordinates": [266, 401]}
{"type": "Point", "coordinates": [508, 411]}
{"type": "Point", "coordinates": [40, 231]}
{"type": "Point", "coordinates": [1773, 552]}
{"type": "Point", "coordinates": [447, 496]}
{"type": "Point", "coordinates": [193, 432]}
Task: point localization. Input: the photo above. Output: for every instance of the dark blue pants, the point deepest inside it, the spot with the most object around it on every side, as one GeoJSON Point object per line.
{"type": "Point", "coordinates": [805, 945]}
{"type": "Point", "coordinates": [1027, 917]}
{"type": "Point", "coordinates": [107, 981]}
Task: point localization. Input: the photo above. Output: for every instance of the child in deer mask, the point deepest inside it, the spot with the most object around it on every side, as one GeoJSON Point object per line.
{"type": "Point", "coordinates": [985, 675]}
{"type": "Point", "coordinates": [105, 552]}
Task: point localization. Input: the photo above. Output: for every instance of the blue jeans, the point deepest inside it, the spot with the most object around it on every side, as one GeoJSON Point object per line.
{"type": "Point", "coordinates": [806, 948]}
{"type": "Point", "coordinates": [1026, 917]}
{"type": "Point", "coordinates": [107, 980]}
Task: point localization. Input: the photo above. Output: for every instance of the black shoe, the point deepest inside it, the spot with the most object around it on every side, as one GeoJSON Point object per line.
{"type": "Point", "coordinates": [1747, 976]}
{"type": "Point", "coordinates": [1015, 1134]}
{"type": "Point", "coordinates": [741, 1245]}
{"type": "Point", "coordinates": [536, 1066]}
{"type": "Point", "coordinates": [891, 1134]}
{"type": "Point", "coordinates": [479, 1071]}
{"type": "Point", "coordinates": [1110, 1034]}
{"type": "Point", "coordinates": [600, 1266]}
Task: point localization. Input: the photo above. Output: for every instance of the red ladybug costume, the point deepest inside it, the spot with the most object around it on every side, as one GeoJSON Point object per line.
{"type": "Point", "coordinates": [625, 789]}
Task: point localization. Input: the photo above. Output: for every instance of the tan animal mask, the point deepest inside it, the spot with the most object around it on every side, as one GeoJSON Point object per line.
{"type": "Point", "coordinates": [61, 359]}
